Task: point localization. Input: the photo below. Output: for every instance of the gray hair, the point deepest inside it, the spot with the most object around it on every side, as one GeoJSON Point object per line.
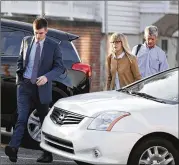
{"type": "Point", "coordinates": [151, 30]}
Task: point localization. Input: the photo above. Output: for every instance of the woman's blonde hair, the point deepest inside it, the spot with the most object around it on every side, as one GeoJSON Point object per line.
{"type": "Point", "coordinates": [123, 39]}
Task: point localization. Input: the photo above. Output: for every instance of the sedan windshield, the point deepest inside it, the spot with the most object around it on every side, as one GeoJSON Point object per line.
{"type": "Point", "coordinates": [163, 86]}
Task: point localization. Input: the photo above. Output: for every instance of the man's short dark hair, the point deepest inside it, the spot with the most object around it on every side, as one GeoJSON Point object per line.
{"type": "Point", "coordinates": [40, 23]}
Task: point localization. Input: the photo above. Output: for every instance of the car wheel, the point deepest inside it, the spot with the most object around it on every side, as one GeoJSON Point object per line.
{"type": "Point", "coordinates": [154, 151]}
{"type": "Point", "coordinates": [81, 163]}
{"type": "Point", "coordinates": [32, 135]}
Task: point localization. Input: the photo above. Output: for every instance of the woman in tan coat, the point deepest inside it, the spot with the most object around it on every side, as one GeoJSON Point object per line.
{"type": "Point", "coordinates": [122, 67]}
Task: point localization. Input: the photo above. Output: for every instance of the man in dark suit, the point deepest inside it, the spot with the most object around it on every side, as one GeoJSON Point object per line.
{"type": "Point", "coordinates": [39, 62]}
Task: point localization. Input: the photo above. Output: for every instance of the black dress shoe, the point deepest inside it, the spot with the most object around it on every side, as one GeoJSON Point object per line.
{"type": "Point", "coordinates": [46, 157]}
{"type": "Point", "coordinates": [12, 153]}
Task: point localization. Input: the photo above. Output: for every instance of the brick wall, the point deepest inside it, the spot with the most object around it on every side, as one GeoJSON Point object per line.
{"type": "Point", "coordinates": [88, 44]}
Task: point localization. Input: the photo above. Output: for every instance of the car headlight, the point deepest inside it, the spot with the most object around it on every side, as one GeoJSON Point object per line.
{"type": "Point", "coordinates": [106, 120]}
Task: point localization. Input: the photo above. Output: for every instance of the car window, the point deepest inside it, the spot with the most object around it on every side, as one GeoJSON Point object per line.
{"type": "Point", "coordinates": [69, 52]}
{"type": "Point", "coordinates": [11, 41]}
{"type": "Point", "coordinates": [163, 86]}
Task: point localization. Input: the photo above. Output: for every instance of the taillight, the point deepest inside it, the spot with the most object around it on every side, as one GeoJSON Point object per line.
{"type": "Point", "coordinates": [83, 67]}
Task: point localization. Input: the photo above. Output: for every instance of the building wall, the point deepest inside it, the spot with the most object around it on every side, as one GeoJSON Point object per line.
{"type": "Point", "coordinates": [69, 10]}
{"type": "Point", "coordinates": [147, 19]}
{"type": "Point", "coordinates": [154, 6]}
{"type": "Point", "coordinates": [133, 40]}
{"type": "Point", "coordinates": [172, 49]}
{"type": "Point", "coordinates": [88, 45]}
{"type": "Point", "coordinates": [123, 16]}
{"type": "Point", "coordinates": [21, 7]}
{"type": "Point", "coordinates": [173, 7]}
{"type": "Point", "coordinates": [172, 52]}
{"type": "Point", "coordinates": [103, 55]}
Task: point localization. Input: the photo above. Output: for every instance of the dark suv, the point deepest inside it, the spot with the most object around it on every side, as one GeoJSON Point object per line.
{"type": "Point", "coordinates": [76, 81]}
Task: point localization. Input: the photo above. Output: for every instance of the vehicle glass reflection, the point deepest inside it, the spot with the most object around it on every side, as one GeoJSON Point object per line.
{"type": "Point", "coordinates": [164, 86]}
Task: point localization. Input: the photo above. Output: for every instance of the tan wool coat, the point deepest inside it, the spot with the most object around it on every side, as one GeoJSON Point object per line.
{"type": "Point", "coordinates": [127, 69]}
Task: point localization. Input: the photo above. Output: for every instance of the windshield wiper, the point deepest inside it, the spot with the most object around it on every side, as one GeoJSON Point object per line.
{"type": "Point", "coordinates": [144, 95]}
{"type": "Point", "coordinates": [124, 90]}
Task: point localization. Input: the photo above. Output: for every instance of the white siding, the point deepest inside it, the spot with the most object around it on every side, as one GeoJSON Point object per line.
{"type": "Point", "coordinates": [58, 9]}
{"type": "Point", "coordinates": [159, 7]}
{"type": "Point", "coordinates": [123, 17]}
{"type": "Point", "coordinates": [86, 10]}
{"type": "Point", "coordinates": [147, 19]}
{"type": "Point", "coordinates": [21, 7]}
{"type": "Point", "coordinates": [133, 40]}
{"type": "Point", "coordinates": [173, 7]}
{"type": "Point", "coordinates": [153, 6]}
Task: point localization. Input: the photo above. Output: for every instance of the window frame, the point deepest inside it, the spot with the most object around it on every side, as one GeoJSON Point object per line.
{"type": "Point", "coordinates": [164, 42]}
{"type": "Point", "coordinates": [74, 49]}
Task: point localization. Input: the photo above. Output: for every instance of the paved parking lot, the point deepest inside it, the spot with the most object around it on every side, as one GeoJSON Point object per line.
{"type": "Point", "coordinates": [29, 156]}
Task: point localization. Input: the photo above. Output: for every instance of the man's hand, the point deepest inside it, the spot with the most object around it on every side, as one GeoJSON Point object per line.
{"type": "Point", "coordinates": [41, 80]}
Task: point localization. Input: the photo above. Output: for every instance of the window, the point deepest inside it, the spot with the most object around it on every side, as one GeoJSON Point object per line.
{"type": "Point", "coordinates": [165, 45]}
{"type": "Point", "coordinates": [68, 52]}
{"type": "Point", "coordinates": [11, 41]}
{"type": "Point", "coordinates": [163, 86]}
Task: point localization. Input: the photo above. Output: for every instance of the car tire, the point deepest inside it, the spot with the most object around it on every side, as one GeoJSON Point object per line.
{"type": "Point", "coordinates": [28, 141]}
{"type": "Point", "coordinates": [163, 146]}
{"type": "Point", "coordinates": [81, 163]}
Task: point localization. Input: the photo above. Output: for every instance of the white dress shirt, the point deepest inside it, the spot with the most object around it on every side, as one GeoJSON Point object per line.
{"type": "Point", "coordinates": [29, 68]}
{"type": "Point", "coordinates": [117, 81]}
{"type": "Point", "coordinates": [150, 60]}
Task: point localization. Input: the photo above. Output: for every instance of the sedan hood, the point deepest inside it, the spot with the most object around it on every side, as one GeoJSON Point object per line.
{"type": "Point", "coordinates": [92, 104]}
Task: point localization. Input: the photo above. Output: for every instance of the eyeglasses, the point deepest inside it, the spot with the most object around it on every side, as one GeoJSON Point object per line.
{"type": "Point", "coordinates": [115, 42]}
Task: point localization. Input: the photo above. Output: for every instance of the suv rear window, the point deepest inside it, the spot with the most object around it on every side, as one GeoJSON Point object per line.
{"type": "Point", "coordinates": [69, 52]}
{"type": "Point", "coordinates": [11, 40]}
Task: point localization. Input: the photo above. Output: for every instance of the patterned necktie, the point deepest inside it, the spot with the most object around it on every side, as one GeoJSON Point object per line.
{"type": "Point", "coordinates": [36, 64]}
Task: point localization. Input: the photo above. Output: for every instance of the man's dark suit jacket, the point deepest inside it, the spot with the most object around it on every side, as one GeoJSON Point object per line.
{"type": "Point", "coordinates": [51, 65]}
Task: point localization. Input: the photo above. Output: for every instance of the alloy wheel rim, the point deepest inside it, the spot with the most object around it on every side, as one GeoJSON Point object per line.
{"type": "Point", "coordinates": [156, 155]}
{"type": "Point", "coordinates": [34, 126]}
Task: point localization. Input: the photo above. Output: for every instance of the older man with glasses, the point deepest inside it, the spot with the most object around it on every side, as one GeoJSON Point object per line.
{"type": "Point", "coordinates": [151, 58]}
